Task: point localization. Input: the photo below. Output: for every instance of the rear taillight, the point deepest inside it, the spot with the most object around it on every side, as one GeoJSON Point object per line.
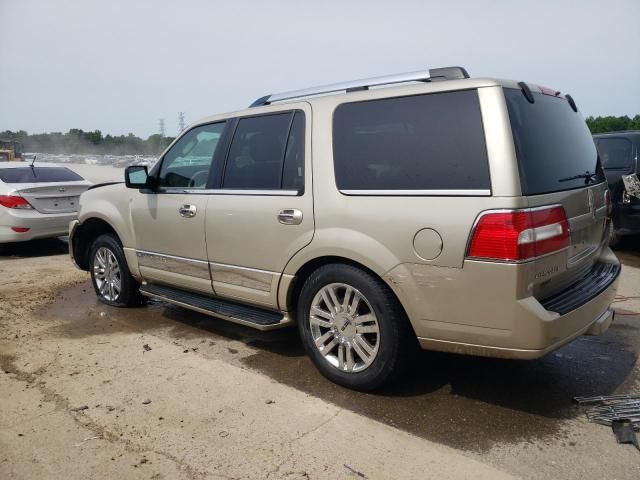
{"type": "Point", "coordinates": [14, 201]}
{"type": "Point", "coordinates": [607, 202]}
{"type": "Point", "coordinates": [518, 235]}
{"type": "Point", "coordinates": [20, 229]}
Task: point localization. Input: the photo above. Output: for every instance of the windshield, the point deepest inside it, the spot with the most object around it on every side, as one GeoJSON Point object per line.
{"type": "Point", "coordinates": [38, 175]}
{"type": "Point", "coordinates": [554, 147]}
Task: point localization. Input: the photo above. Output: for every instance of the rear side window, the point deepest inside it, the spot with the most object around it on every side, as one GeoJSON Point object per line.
{"type": "Point", "coordinates": [257, 152]}
{"type": "Point", "coordinates": [616, 153]}
{"type": "Point", "coordinates": [554, 147]}
{"type": "Point", "coordinates": [38, 175]}
{"type": "Point", "coordinates": [423, 142]}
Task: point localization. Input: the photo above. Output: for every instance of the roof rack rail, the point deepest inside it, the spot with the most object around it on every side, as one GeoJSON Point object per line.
{"type": "Point", "coordinates": [432, 75]}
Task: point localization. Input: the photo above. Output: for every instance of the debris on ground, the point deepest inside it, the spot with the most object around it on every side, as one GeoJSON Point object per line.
{"type": "Point", "coordinates": [146, 401]}
{"type": "Point", "coordinates": [269, 402]}
{"type": "Point", "coordinates": [624, 432]}
{"type": "Point", "coordinates": [354, 471]}
{"type": "Point", "coordinates": [86, 440]}
{"type": "Point", "coordinates": [79, 409]}
{"type": "Point", "coordinates": [620, 412]}
{"type": "Point", "coordinates": [146, 347]}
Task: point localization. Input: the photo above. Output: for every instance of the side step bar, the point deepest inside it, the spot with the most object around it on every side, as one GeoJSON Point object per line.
{"type": "Point", "coordinates": [254, 317]}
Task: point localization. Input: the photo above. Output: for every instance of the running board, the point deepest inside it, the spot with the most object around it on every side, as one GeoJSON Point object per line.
{"type": "Point", "coordinates": [254, 317]}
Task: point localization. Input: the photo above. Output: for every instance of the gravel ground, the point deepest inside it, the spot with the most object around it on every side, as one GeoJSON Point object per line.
{"type": "Point", "coordinates": [161, 392]}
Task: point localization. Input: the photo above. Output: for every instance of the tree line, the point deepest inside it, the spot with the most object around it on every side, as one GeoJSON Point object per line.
{"type": "Point", "coordinates": [77, 141]}
{"type": "Point", "coordinates": [613, 124]}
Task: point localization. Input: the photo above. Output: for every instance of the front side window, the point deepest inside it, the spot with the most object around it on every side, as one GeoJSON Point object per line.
{"type": "Point", "coordinates": [616, 153]}
{"type": "Point", "coordinates": [189, 162]}
{"type": "Point", "coordinates": [421, 142]}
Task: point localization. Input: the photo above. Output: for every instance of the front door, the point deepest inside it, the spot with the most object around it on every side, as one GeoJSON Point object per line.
{"type": "Point", "coordinates": [169, 222]}
{"type": "Point", "coordinates": [263, 212]}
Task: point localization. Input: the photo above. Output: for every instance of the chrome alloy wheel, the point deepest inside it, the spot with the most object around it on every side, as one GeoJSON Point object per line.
{"type": "Point", "coordinates": [344, 327]}
{"type": "Point", "coordinates": [106, 273]}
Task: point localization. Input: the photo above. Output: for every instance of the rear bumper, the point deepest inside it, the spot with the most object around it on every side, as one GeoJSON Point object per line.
{"type": "Point", "coordinates": [40, 225]}
{"type": "Point", "coordinates": [476, 310]}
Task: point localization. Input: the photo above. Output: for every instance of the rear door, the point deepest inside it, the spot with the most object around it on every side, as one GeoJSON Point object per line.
{"type": "Point", "coordinates": [559, 165]}
{"type": "Point", "coordinates": [262, 213]}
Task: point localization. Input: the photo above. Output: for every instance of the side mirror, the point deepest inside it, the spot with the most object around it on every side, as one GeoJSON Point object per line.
{"type": "Point", "coordinates": [136, 176]}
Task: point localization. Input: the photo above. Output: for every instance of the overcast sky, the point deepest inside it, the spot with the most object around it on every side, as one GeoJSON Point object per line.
{"type": "Point", "coordinates": [119, 66]}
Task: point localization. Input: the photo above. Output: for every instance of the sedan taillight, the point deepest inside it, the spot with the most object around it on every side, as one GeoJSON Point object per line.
{"type": "Point", "coordinates": [14, 201]}
{"type": "Point", "coordinates": [519, 235]}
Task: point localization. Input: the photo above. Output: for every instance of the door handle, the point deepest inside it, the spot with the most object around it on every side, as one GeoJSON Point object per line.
{"type": "Point", "coordinates": [290, 216]}
{"type": "Point", "coordinates": [188, 211]}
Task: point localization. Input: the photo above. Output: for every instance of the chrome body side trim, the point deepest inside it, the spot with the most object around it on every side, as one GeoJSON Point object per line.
{"type": "Point", "coordinates": [242, 276]}
{"type": "Point", "coordinates": [186, 266]}
{"type": "Point", "coordinates": [400, 193]}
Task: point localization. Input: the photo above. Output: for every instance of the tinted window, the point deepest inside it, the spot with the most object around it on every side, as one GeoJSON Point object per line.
{"type": "Point", "coordinates": [615, 153]}
{"type": "Point", "coordinates": [421, 142]}
{"type": "Point", "coordinates": [188, 163]}
{"type": "Point", "coordinates": [257, 152]}
{"type": "Point", "coordinates": [552, 143]}
{"type": "Point", "coordinates": [293, 171]}
{"type": "Point", "coordinates": [38, 175]}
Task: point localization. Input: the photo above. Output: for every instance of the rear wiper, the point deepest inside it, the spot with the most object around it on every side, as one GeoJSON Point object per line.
{"type": "Point", "coordinates": [588, 177]}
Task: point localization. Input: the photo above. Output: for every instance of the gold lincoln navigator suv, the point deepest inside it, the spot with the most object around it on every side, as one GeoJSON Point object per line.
{"type": "Point", "coordinates": [466, 215]}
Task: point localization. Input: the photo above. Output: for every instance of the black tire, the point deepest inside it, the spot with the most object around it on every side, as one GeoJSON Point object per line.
{"type": "Point", "coordinates": [396, 340]}
{"type": "Point", "coordinates": [129, 294]}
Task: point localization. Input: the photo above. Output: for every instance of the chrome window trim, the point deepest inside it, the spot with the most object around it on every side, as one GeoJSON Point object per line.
{"type": "Point", "coordinates": [222, 191]}
{"type": "Point", "coordinates": [427, 193]}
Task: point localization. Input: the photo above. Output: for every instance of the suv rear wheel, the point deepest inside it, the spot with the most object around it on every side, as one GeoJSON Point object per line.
{"type": "Point", "coordinates": [110, 274]}
{"type": "Point", "coordinates": [352, 327]}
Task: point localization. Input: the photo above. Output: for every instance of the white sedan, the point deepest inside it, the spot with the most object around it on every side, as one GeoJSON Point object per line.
{"type": "Point", "coordinates": [37, 201]}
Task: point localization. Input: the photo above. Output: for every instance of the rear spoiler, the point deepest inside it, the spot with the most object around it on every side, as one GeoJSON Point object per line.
{"type": "Point", "coordinates": [105, 184]}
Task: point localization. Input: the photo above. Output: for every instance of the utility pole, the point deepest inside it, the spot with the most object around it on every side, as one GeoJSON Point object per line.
{"type": "Point", "coordinates": [161, 125]}
{"type": "Point", "coordinates": [180, 121]}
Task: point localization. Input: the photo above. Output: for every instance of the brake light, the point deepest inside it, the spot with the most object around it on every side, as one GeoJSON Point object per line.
{"type": "Point", "coordinates": [607, 201]}
{"type": "Point", "coordinates": [518, 235]}
{"type": "Point", "coordinates": [14, 201]}
{"type": "Point", "coordinates": [20, 229]}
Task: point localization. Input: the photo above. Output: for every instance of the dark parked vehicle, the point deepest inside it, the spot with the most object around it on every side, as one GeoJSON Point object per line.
{"type": "Point", "coordinates": [620, 156]}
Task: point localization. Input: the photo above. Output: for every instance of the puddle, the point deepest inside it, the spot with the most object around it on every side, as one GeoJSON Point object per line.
{"type": "Point", "coordinates": [464, 402]}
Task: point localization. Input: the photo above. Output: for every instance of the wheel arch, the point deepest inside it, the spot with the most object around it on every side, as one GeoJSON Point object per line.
{"type": "Point", "coordinates": [291, 292]}
{"type": "Point", "coordinates": [90, 229]}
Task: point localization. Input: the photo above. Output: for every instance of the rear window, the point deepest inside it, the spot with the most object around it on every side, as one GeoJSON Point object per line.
{"type": "Point", "coordinates": [38, 175]}
{"type": "Point", "coordinates": [553, 144]}
{"type": "Point", "coordinates": [423, 142]}
{"type": "Point", "coordinates": [615, 153]}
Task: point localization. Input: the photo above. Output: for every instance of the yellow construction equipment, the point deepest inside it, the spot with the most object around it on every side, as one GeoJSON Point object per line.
{"type": "Point", "coordinates": [10, 150]}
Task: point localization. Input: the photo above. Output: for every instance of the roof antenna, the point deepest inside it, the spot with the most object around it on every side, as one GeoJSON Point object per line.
{"type": "Point", "coordinates": [33, 160]}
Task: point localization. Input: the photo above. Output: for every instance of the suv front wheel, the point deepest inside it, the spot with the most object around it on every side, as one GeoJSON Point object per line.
{"type": "Point", "coordinates": [352, 327]}
{"type": "Point", "coordinates": [110, 274]}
